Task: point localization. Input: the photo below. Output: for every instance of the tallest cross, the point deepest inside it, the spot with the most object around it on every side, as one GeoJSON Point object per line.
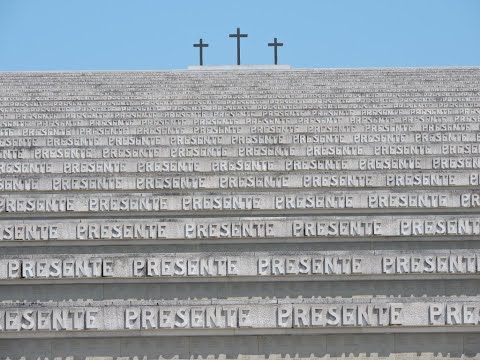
{"type": "Point", "coordinates": [275, 44]}
{"type": "Point", "coordinates": [238, 36]}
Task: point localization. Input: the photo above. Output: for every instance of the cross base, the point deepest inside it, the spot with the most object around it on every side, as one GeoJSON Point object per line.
{"type": "Point", "coordinates": [240, 67]}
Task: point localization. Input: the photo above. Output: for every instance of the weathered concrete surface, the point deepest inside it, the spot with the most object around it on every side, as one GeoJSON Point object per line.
{"type": "Point", "coordinates": [255, 213]}
{"type": "Point", "coordinates": [238, 316]}
{"type": "Point", "coordinates": [247, 266]}
{"type": "Point", "coordinates": [354, 346]}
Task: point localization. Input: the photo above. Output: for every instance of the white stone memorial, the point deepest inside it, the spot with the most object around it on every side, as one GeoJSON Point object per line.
{"type": "Point", "coordinates": [261, 213]}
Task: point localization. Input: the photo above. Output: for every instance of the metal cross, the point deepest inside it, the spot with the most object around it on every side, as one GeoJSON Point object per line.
{"type": "Point", "coordinates": [238, 36]}
{"type": "Point", "coordinates": [201, 45]}
{"type": "Point", "coordinates": [275, 44]}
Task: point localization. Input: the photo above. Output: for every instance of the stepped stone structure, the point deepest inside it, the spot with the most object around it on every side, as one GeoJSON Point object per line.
{"type": "Point", "coordinates": [251, 214]}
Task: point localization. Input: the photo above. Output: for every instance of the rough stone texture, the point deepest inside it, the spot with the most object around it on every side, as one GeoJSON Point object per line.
{"type": "Point", "coordinates": [261, 213]}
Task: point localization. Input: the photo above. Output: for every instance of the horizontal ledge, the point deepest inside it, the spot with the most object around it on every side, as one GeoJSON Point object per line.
{"type": "Point", "coordinates": [236, 279]}
{"type": "Point", "coordinates": [242, 190]}
{"type": "Point", "coordinates": [271, 213]}
{"type": "Point", "coordinates": [236, 241]}
{"type": "Point", "coordinates": [238, 67]}
{"type": "Point", "coordinates": [244, 331]}
{"type": "Point", "coordinates": [419, 69]}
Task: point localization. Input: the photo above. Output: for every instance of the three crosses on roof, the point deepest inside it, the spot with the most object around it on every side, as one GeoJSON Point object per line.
{"type": "Point", "coordinates": [239, 35]}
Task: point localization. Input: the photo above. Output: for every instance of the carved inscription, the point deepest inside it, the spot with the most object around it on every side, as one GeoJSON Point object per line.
{"type": "Point", "coordinates": [406, 227]}
{"type": "Point", "coordinates": [282, 313]}
{"type": "Point", "coordinates": [272, 264]}
{"type": "Point", "coordinates": [298, 176]}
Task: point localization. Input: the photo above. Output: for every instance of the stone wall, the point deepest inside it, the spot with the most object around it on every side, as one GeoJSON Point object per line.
{"type": "Point", "coordinates": [247, 214]}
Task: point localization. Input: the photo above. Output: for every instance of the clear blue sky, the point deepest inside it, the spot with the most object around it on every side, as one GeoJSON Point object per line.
{"type": "Point", "coordinates": [158, 34]}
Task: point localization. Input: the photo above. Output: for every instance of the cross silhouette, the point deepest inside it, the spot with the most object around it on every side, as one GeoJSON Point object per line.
{"type": "Point", "coordinates": [275, 44]}
{"type": "Point", "coordinates": [201, 45]}
{"type": "Point", "coordinates": [238, 36]}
